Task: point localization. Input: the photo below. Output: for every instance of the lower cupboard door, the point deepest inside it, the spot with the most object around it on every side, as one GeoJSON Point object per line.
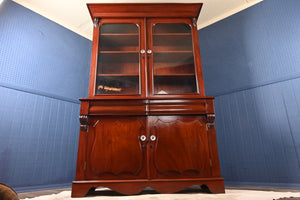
{"type": "Point", "coordinates": [115, 149]}
{"type": "Point", "coordinates": [179, 147]}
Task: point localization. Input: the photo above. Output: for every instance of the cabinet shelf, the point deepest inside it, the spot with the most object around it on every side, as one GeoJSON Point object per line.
{"type": "Point", "coordinates": [173, 75]}
{"type": "Point", "coordinates": [117, 75]}
{"type": "Point", "coordinates": [160, 50]}
{"type": "Point", "coordinates": [171, 28]}
{"type": "Point", "coordinates": [176, 65]}
{"type": "Point", "coordinates": [172, 34]}
{"type": "Point", "coordinates": [182, 57]}
{"type": "Point", "coordinates": [121, 68]}
{"type": "Point", "coordinates": [119, 42]}
{"type": "Point", "coordinates": [174, 68]}
{"type": "Point", "coordinates": [173, 42]}
{"type": "Point", "coordinates": [173, 51]}
{"type": "Point", "coordinates": [118, 59]}
{"type": "Point", "coordinates": [117, 84]}
{"type": "Point", "coordinates": [118, 52]}
{"type": "Point", "coordinates": [130, 28]}
{"type": "Point", "coordinates": [177, 40]}
{"type": "Point", "coordinates": [183, 48]}
{"type": "Point", "coordinates": [119, 34]}
{"type": "Point", "coordinates": [175, 84]}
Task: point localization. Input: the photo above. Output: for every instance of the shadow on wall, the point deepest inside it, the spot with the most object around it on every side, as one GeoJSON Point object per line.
{"type": "Point", "coordinates": [251, 64]}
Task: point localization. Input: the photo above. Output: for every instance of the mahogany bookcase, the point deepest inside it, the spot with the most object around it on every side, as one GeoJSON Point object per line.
{"type": "Point", "coordinates": [146, 121]}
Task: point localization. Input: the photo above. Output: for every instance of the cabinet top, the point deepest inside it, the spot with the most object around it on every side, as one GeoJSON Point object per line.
{"type": "Point", "coordinates": [129, 10]}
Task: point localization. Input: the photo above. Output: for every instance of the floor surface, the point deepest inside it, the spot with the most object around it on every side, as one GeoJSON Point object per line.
{"type": "Point", "coordinates": [187, 194]}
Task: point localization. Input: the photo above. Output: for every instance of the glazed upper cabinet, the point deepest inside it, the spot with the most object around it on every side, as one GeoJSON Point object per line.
{"type": "Point", "coordinates": [146, 57]}
{"type": "Point", "coordinates": [146, 121]}
{"type": "Point", "coordinates": [171, 61]}
{"type": "Point", "coordinates": [120, 64]}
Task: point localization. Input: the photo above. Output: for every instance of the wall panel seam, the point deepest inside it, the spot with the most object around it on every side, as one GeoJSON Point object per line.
{"type": "Point", "coordinates": [39, 93]}
{"type": "Point", "coordinates": [259, 84]}
{"type": "Point", "coordinates": [291, 131]}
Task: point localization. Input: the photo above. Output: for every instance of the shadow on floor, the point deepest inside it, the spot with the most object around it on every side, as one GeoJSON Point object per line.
{"type": "Point", "coordinates": [148, 190]}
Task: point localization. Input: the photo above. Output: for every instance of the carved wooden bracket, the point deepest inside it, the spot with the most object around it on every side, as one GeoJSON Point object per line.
{"type": "Point", "coordinates": [210, 118]}
{"type": "Point", "coordinates": [84, 122]}
{"type": "Point", "coordinates": [210, 121]}
{"type": "Point", "coordinates": [96, 22]}
{"type": "Point", "coordinates": [194, 22]}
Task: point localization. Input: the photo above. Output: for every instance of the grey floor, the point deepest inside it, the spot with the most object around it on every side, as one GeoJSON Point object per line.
{"type": "Point", "coordinates": [33, 194]}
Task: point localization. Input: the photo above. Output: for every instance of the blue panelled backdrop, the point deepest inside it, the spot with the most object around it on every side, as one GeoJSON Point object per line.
{"type": "Point", "coordinates": [44, 69]}
{"type": "Point", "coordinates": [251, 63]}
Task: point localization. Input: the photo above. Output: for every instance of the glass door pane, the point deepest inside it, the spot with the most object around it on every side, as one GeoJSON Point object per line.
{"type": "Point", "coordinates": [118, 68]}
{"type": "Point", "coordinates": [173, 59]}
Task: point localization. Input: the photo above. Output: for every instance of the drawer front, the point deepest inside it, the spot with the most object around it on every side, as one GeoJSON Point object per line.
{"type": "Point", "coordinates": [185, 106]}
{"type": "Point", "coordinates": [116, 107]}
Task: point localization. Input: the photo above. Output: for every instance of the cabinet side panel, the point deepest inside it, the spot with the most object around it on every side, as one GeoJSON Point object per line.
{"type": "Point", "coordinates": [198, 61]}
{"type": "Point", "coordinates": [94, 61]}
{"type": "Point", "coordinates": [212, 139]}
{"type": "Point", "coordinates": [81, 156]}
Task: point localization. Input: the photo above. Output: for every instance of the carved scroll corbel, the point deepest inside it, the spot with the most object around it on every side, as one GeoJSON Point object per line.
{"type": "Point", "coordinates": [84, 122]}
{"type": "Point", "coordinates": [96, 22]}
{"type": "Point", "coordinates": [210, 121]}
{"type": "Point", "coordinates": [195, 22]}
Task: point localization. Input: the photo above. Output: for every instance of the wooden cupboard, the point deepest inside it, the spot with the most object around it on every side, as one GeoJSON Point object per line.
{"type": "Point", "coordinates": [147, 121]}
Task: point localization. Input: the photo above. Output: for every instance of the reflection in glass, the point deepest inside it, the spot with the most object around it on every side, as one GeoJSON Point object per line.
{"type": "Point", "coordinates": [118, 60]}
{"type": "Point", "coordinates": [173, 59]}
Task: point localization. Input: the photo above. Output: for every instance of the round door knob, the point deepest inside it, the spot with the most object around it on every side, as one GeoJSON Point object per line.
{"type": "Point", "coordinates": [149, 51]}
{"type": "Point", "coordinates": [143, 138]}
{"type": "Point", "coordinates": [152, 137]}
{"type": "Point", "coordinates": [143, 51]}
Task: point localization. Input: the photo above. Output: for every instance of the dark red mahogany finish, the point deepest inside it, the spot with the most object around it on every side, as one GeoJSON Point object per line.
{"type": "Point", "coordinates": [147, 121]}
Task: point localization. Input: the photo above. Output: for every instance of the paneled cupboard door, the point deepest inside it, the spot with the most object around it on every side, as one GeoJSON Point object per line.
{"type": "Point", "coordinates": [120, 66]}
{"type": "Point", "coordinates": [178, 147]}
{"type": "Point", "coordinates": [117, 148]}
{"type": "Point", "coordinates": [172, 61]}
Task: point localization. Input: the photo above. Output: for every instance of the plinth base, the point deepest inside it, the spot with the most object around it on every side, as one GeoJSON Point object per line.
{"type": "Point", "coordinates": [129, 187]}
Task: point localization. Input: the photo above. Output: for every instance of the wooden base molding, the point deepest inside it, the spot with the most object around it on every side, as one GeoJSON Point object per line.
{"type": "Point", "coordinates": [130, 187]}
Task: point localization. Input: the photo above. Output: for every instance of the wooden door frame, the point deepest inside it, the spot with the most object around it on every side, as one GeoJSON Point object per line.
{"type": "Point", "coordinates": [95, 50]}
{"type": "Point", "coordinates": [196, 52]}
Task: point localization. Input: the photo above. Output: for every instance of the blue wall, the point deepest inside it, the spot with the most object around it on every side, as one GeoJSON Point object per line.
{"type": "Point", "coordinates": [44, 69]}
{"type": "Point", "coordinates": [251, 63]}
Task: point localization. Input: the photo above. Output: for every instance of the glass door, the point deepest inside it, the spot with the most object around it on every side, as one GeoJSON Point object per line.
{"type": "Point", "coordinates": [118, 65]}
{"type": "Point", "coordinates": [173, 66]}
